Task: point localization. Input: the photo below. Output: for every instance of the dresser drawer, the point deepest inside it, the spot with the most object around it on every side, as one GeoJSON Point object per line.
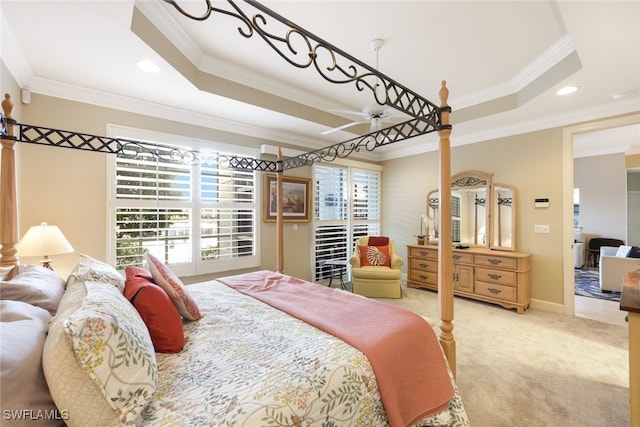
{"type": "Point", "coordinates": [491, 275]}
{"type": "Point", "coordinates": [497, 261]}
{"type": "Point", "coordinates": [428, 253]}
{"type": "Point", "coordinates": [424, 264]}
{"type": "Point", "coordinates": [462, 258]}
{"type": "Point", "coordinates": [495, 290]}
{"type": "Point", "coordinates": [423, 277]}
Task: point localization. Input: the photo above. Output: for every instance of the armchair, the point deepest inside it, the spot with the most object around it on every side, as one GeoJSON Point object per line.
{"type": "Point", "coordinates": [612, 268]}
{"type": "Point", "coordinates": [375, 268]}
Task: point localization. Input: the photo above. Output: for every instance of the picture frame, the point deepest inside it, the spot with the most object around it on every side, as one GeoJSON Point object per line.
{"type": "Point", "coordinates": [296, 197]}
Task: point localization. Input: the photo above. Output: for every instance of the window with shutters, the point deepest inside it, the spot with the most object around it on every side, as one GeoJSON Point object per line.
{"type": "Point", "coordinates": [197, 216]}
{"type": "Point", "coordinates": [456, 218]}
{"type": "Point", "coordinates": [347, 206]}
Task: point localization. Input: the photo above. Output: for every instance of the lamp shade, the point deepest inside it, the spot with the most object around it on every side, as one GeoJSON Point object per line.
{"type": "Point", "coordinates": [44, 240]}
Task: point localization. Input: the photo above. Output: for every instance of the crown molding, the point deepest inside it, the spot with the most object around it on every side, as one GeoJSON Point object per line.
{"type": "Point", "coordinates": [591, 114]}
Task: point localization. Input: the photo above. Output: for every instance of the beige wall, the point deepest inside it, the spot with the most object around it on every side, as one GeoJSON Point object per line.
{"type": "Point", "coordinates": [531, 162]}
{"type": "Point", "coordinates": [632, 161]}
{"type": "Point", "coordinates": [67, 187]}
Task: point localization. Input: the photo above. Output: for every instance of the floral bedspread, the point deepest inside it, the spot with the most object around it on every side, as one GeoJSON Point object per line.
{"type": "Point", "coordinates": [247, 364]}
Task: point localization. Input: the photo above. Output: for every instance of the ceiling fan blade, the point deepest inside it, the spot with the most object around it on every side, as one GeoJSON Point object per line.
{"type": "Point", "coordinates": [326, 132]}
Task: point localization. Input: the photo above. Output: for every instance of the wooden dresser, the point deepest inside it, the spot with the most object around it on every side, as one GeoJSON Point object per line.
{"type": "Point", "coordinates": [492, 276]}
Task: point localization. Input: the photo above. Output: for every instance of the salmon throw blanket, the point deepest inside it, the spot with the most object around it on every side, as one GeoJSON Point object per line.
{"type": "Point", "coordinates": [401, 346]}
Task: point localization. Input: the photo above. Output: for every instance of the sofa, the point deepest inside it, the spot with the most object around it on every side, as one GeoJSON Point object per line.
{"type": "Point", "coordinates": [614, 262]}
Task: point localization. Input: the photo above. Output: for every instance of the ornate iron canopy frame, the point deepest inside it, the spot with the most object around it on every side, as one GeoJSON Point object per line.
{"type": "Point", "coordinates": [332, 64]}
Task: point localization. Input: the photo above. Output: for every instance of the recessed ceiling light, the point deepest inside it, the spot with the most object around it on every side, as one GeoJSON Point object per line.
{"type": "Point", "coordinates": [148, 66]}
{"type": "Point", "coordinates": [567, 90]}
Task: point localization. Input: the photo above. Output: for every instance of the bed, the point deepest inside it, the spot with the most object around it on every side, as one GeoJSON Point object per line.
{"type": "Point", "coordinates": [240, 361]}
{"type": "Point", "coordinates": [244, 359]}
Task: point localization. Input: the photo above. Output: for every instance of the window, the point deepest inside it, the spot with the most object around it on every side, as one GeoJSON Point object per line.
{"type": "Point", "coordinates": [196, 215]}
{"type": "Point", "coordinates": [456, 218]}
{"type": "Point", "coordinates": [347, 206]}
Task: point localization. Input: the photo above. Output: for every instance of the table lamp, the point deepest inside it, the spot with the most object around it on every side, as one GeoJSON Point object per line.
{"type": "Point", "coordinates": [44, 240]}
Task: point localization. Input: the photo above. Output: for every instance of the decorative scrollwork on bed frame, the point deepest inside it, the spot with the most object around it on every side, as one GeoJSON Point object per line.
{"type": "Point", "coordinates": [342, 68]}
{"type": "Point", "coordinates": [294, 43]}
{"type": "Point", "coordinates": [302, 49]}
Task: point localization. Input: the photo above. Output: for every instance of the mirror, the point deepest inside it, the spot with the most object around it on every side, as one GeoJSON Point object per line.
{"type": "Point", "coordinates": [469, 209]}
{"type": "Point", "coordinates": [503, 217]}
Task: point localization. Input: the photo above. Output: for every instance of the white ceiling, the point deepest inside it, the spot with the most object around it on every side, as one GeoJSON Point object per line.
{"type": "Point", "coordinates": [502, 60]}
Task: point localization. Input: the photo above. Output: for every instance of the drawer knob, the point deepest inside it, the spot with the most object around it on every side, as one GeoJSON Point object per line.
{"type": "Point", "coordinates": [495, 261]}
{"type": "Point", "coordinates": [423, 265]}
{"type": "Point", "coordinates": [494, 290]}
{"type": "Point", "coordinates": [424, 253]}
{"type": "Point", "coordinates": [423, 277]}
{"type": "Point", "coordinates": [457, 256]}
{"type": "Point", "coordinates": [494, 276]}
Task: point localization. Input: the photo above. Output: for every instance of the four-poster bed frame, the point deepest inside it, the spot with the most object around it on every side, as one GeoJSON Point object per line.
{"type": "Point", "coordinates": [340, 68]}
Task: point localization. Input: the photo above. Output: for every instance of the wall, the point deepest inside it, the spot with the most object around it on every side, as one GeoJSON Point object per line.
{"type": "Point", "coordinates": [531, 162]}
{"type": "Point", "coordinates": [603, 194]}
{"type": "Point", "coordinates": [67, 187]}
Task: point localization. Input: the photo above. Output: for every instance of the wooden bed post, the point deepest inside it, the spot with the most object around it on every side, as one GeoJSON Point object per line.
{"type": "Point", "coordinates": [445, 251]}
{"type": "Point", "coordinates": [279, 222]}
{"type": "Point", "coordinates": [8, 201]}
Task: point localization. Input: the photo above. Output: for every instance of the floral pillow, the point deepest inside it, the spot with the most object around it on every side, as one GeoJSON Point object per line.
{"type": "Point", "coordinates": [91, 269]}
{"type": "Point", "coordinates": [174, 287]}
{"type": "Point", "coordinates": [112, 345]}
{"type": "Point", "coordinates": [374, 256]}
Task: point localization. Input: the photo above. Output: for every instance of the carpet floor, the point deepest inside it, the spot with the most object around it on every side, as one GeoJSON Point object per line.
{"type": "Point", "coordinates": [588, 285]}
{"type": "Point", "coordinates": [535, 369]}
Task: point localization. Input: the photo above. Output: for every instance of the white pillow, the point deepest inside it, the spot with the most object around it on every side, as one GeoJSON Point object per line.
{"type": "Point", "coordinates": [623, 251]}
{"type": "Point", "coordinates": [34, 285]}
{"type": "Point", "coordinates": [113, 346]}
{"type": "Point", "coordinates": [22, 334]}
{"type": "Point", "coordinates": [97, 271]}
{"type": "Point", "coordinates": [77, 389]}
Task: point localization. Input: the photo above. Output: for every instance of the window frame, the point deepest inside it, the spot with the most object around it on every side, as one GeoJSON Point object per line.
{"type": "Point", "coordinates": [196, 205]}
{"type": "Point", "coordinates": [352, 225]}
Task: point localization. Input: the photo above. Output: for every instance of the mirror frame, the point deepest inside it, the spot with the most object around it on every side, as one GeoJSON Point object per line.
{"type": "Point", "coordinates": [495, 241]}
{"type": "Point", "coordinates": [465, 180]}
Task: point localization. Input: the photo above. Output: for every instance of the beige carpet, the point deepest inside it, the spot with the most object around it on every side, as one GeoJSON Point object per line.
{"type": "Point", "coordinates": [537, 369]}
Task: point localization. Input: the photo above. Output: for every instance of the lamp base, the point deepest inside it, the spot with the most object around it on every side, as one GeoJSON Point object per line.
{"type": "Point", "coordinates": [46, 262]}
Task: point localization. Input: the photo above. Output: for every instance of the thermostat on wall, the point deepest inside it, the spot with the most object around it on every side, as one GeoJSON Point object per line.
{"type": "Point", "coordinates": [541, 203]}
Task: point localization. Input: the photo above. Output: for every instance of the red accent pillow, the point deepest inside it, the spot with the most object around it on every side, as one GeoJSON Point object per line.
{"type": "Point", "coordinates": [374, 255]}
{"type": "Point", "coordinates": [174, 287]}
{"type": "Point", "coordinates": [156, 309]}
{"type": "Point", "coordinates": [378, 241]}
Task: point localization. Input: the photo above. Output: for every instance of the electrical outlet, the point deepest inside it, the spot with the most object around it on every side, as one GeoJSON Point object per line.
{"type": "Point", "coordinates": [541, 229]}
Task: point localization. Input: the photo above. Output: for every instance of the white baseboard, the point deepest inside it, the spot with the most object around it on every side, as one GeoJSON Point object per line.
{"type": "Point", "coordinates": [547, 306]}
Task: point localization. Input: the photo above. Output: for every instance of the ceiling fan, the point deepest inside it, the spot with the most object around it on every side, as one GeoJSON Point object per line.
{"type": "Point", "coordinates": [374, 114]}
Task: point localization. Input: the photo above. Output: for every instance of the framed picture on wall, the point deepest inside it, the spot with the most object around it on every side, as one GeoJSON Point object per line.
{"type": "Point", "coordinates": [296, 199]}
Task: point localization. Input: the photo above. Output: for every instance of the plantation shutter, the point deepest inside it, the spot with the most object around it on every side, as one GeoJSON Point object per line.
{"type": "Point", "coordinates": [194, 212]}
{"type": "Point", "coordinates": [347, 206]}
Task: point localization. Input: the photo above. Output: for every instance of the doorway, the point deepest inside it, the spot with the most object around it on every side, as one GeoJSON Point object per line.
{"type": "Point", "coordinates": [571, 148]}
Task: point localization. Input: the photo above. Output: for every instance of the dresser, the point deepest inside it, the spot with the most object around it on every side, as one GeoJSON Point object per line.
{"type": "Point", "coordinates": [492, 276]}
